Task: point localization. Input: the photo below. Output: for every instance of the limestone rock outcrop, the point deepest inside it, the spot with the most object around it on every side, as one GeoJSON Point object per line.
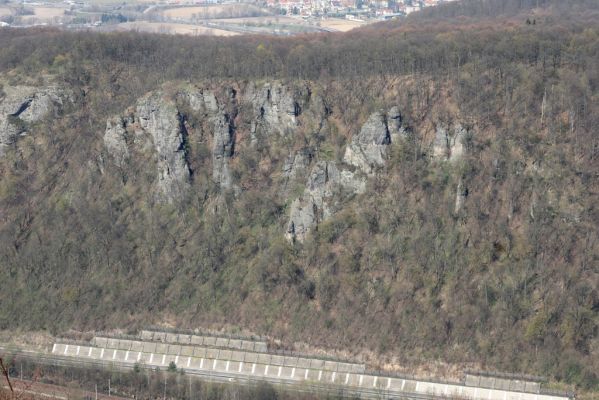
{"type": "Point", "coordinates": [449, 142]}
{"type": "Point", "coordinates": [368, 149]}
{"type": "Point", "coordinates": [23, 105]}
{"type": "Point", "coordinates": [158, 118]}
{"type": "Point", "coordinates": [276, 107]}
{"type": "Point", "coordinates": [116, 138]}
{"type": "Point", "coordinates": [221, 125]}
{"type": "Point", "coordinates": [317, 202]}
{"type": "Point", "coordinates": [162, 118]}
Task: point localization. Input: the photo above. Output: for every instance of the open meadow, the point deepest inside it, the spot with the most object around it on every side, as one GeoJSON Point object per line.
{"type": "Point", "coordinates": [339, 24]}
{"type": "Point", "coordinates": [173, 28]}
{"type": "Point", "coordinates": [213, 11]}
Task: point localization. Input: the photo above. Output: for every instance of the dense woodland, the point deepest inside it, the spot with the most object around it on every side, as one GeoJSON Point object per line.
{"type": "Point", "coordinates": [510, 282]}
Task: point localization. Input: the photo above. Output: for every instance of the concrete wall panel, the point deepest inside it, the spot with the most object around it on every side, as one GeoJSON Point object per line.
{"type": "Point", "coordinates": [331, 365]}
{"type": "Point", "coordinates": [277, 360]}
{"type": "Point", "coordinates": [136, 346]}
{"type": "Point", "coordinates": [410, 386]}
{"type": "Point", "coordinates": [260, 347]}
{"type": "Point", "coordinates": [251, 357]}
{"type": "Point", "coordinates": [290, 361]}
{"type": "Point", "coordinates": [172, 338]}
{"type": "Point", "coordinates": [149, 347]}
{"type": "Point", "coordinates": [237, 355]}
{"type": "Point", "coordinates": [264, 358]}
{"type": "Point", "coordinates": [212, 353]}
{"type": "Point", "coordinates": [197, 340]}
{"type": "Point", "coordinates": [286, 372]}
{"type": "Point", "coordinates": [199, 352]}
{"type": "Point", "coordinates": [161, 348]}
{"type": "Point", "coordinates": [225, 354]}
{"type": "Point", "coordinates": [245, 345]}
{"type": "Point", "coordinates": [186, 351]}
{"type": "Point", "coordinates": [472, 380]}
{"type": "Point", "coordinates": [368, 381]}
{"type": "Point", "coordinates": [303, 362]}
{"type": "Point", "coordinates": [95, 354]}
{"type": "Point", "coordinates": [185, 339]}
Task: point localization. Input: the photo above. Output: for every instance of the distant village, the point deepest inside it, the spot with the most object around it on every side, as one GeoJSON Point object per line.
{"type": "Point", "coordinates": [352, 9]}
{"type": "Point", "coordinates": [208, 17]}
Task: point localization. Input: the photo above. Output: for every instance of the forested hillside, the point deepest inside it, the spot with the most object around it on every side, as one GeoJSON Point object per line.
{"type": "Point", "coordinates": [425, 189]}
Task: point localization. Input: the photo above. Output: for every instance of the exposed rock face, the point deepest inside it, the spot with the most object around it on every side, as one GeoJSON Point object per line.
{"type": "Point", "coordinates": [157, 117]}
{"type": "Point", "coordinates": [449, 142]}
{"type": "Point", "coordinates": [23, 105]}
{"type": "Point", "coordinates": [317, 202]}
{"type": "Point", "coordinates": [223, 131]}
{"type": "Point", "coordinates": [367, 150]}
{"type": "Point", "coordinates": [460, 196]}
{"type": "Point", "coordinates": [276, 107]}
{"type": "Point", "coordinates": [116, 138]}
{"type": "Point", "coordinates": [296, 166]}
{"type": "Point", "coordinates": [160, 118]}
{"type": "Point", "coordinates": [394, 124]}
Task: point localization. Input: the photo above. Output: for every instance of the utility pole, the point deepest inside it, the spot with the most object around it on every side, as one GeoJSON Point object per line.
{"type": "Point", "coordinates": [164, 397]}
{"type": "Point", "coordinates": [108, 386]}
{"type": "Point", "coordinates": [96, 391]}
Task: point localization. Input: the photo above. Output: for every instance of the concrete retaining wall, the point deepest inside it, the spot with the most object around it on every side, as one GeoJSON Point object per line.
{"type": "Point", "coordinates": [160, 348]}
{"type": "Point", "coordinates": [203, 340]}
{"type": "Point", "coordinates": [266, 366]}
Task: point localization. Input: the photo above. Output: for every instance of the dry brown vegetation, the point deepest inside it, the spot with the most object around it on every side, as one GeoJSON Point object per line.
{"type": "Point", "coordinates": [509, 281]}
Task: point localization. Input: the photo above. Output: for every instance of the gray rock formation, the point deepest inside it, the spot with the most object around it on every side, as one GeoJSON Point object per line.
{"type": "Point", "coordinates": [23, 105]}
{"type": "Point", "coordinates": [115, 139]}
{"type": "Point", "coordinates": [159, 117]}
{"type": "Point", "coordinates": [449, 142]}
{"type": "Point", "coordinates": [460, 196]}
{"type": "Point", "coordinates": [221, 126]}
{"type": "Point", "coordinates": [367, 150]}
{"type": "Point", "coordinates": [317, 202]}
{"type": "Point", "coordinates": [296, 167]}
{"type": "Point", "coordinates": [276, 108]}
{"type": "Point", "coordinates": [394, 124]}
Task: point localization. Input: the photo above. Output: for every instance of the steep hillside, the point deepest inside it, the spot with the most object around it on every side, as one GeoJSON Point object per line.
{"type": "Point", "coordinates": [421, 194]}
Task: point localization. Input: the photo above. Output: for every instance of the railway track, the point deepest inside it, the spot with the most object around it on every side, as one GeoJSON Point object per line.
{"type": "Point", "coordinates": [221, 377]}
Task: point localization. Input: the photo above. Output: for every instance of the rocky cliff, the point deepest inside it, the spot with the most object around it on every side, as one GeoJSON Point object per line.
{"type": "Point", "coordinates": [21, 106]}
